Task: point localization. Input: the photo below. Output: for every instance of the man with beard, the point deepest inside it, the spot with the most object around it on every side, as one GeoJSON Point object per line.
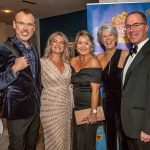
{"type": "Point", "coordinates": [20, 77]}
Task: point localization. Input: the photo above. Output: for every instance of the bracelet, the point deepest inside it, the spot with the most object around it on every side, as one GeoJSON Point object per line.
{"type": "Point", "coordinates": [94, 110]}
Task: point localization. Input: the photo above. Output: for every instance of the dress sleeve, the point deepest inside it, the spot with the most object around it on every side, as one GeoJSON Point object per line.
{"type": "Point", "coordinates": [96, 74]}
{"type": "Point", "coordinates": [87, 75]}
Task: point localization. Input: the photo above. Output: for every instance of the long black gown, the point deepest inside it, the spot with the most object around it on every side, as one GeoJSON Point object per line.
{"type": "Point", "coordinates": [84, 136]}
{"type": "Point", "coordinates": [111, 79]}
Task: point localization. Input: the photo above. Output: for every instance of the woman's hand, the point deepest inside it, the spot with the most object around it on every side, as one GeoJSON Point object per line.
{"type": "Point", "coordinates": [20, 64]}
{"type": "Point", "coordinates": [145, 137]}
{"type": "Point", "coordinates": [91, 118]}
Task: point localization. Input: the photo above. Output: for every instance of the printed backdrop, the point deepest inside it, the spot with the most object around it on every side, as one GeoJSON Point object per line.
{"type": "Point", "coordinates": [113, 13]}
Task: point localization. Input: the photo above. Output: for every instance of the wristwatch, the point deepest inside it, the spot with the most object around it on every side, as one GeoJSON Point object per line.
{"type": "Point", "coordinates": [94, 110]}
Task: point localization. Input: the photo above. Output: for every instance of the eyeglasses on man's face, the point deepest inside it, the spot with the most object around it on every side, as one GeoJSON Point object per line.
{"type": "Point", "coordinates": [134, 26]}
{"type": "Point", "coordinates": [21, 23]}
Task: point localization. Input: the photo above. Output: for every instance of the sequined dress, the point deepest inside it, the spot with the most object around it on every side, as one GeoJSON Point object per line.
{"type": "Point", "coordinates": [56, 106]}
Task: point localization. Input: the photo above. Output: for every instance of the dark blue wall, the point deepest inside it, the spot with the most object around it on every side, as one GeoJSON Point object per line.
{"type": "Point", "coordinates": [69, 24]}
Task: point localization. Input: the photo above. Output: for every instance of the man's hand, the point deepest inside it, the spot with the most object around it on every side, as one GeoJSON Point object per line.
{"type": "Point", "coordinates": [145, 137]}
{"type": "Point", "coordinates": [20, 64]}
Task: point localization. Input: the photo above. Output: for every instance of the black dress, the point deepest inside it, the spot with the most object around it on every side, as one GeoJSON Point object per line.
{"type": "Point", "coordinates": [84, 136]}
{"type": "Point", "coordinates": [111, 79]}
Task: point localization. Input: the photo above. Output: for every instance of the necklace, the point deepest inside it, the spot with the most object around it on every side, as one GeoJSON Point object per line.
{"type": "Point", "coordinates": [110, 60]}
{"type": "Point", "coordinates": [84, 61]}
{"type": "Point", "coordinates": [109, 65]}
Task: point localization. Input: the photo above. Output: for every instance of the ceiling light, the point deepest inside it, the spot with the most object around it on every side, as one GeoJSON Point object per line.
{"type": "Point", "coordinates": [7, 11]}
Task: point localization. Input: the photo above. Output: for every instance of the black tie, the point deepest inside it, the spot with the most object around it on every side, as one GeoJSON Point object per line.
{"type": "Point", "coordinates": [133, 50]}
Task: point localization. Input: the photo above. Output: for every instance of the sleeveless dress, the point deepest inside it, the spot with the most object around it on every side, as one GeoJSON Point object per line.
{"type": "Point", "coordinates": [56, 106]}
{"type": "Point", "coordinates": [111, 79]}
{"type": "Point", "coordinates": [84, 136]}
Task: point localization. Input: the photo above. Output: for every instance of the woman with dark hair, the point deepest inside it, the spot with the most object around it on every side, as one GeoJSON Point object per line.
{"type": "Point", "coordinates": [112, 61]}
{"type": "Point", "coordinates": [86, 78]}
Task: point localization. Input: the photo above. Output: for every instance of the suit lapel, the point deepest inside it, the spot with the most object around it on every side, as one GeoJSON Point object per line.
{"type": "Point", "coordinates": [139, 57]}
{"type": "Point", "coordinates": [17, 48]}
{"type": "Point", "coordinates": [36, 58]}
{"type": "Point", "coordinates": [133, 65]}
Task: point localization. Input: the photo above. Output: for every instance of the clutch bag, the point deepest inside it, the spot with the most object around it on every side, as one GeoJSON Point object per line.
{"type": "Point", "coordinates": [81, 114]}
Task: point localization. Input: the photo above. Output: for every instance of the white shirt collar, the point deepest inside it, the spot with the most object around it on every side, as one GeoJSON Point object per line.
{"type": "Point", "coordinates": [141, 44]}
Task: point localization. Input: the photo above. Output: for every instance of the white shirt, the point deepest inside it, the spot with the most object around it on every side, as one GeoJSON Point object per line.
{"type": "Point", "coordinates": [131, 58]}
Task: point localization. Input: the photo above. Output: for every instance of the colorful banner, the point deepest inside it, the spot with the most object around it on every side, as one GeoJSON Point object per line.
{"type": "Point", "coordinates": [113, 13]}
{"type": "Point", "coordinates": [100, 138]}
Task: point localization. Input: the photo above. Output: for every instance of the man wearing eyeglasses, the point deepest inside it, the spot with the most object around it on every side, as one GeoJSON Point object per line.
{"type": "Point", "coordinates": [20, 77]}
{"type": "Point", "coordinates": [135, 105]}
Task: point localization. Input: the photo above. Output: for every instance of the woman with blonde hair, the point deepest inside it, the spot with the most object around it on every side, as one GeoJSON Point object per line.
{"type": "Point", "coordinates": [86, 78]}
{"type": "Point", "coordinates": [56, 99]}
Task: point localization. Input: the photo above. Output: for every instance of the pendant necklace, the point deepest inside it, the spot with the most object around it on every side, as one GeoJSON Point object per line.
{"type": "Point", "coordinates": [109, 65]}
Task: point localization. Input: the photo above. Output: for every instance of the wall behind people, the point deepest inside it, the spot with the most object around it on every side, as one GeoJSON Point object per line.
{"type": "Point", "coordinates": [5, 31]}
{"type": "Point", "coordinates": [8, 31]}
{"type": "Point", "coordinates": [68, 24]}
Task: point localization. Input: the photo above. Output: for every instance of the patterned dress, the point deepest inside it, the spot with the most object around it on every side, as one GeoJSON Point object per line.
{"type": "Point", "coordinates": [56, 106]}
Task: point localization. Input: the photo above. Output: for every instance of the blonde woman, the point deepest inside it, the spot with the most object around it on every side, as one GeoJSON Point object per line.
{"type": "Point", "coordinates": [86, 77]}
{"type": "Point", "coordinates": [56, 99]}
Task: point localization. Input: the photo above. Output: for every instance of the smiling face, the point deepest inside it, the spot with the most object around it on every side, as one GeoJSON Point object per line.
{"type": "Point", "coordinates": [84, 45]}
{"type": "Point", "coordinates": [136, 34]}
{"type": "Point", "coordinates": [108, 39]}
{"type": "Point", "coordinates": [24, 25]}
{"type": "Point", "coordinates": [58, 44]}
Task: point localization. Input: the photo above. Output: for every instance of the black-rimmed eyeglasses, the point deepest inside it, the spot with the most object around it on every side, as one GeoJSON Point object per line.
{"type": "Point", "coordinates": [134, 26]}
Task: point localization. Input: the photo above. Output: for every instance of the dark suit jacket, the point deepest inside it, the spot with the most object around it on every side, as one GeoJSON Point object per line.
{"type": "Point", "coordinates": [22, 98]}
{"type": "Point", "coordinates": [135, 104]}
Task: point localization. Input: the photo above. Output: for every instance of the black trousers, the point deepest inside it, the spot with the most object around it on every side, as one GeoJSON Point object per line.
{"type": "Point", "coordinates": [137, 144]}
{"type": "Point", "coordinates": [23, 133]}
{"type": "Point", "coordinates": [113, 125]}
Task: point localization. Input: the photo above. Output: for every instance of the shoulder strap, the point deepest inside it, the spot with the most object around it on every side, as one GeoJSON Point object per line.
{"type": "Point", "coordinates": [116, 57]}
{"type": "Point", "coordinates": [11, 48]}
